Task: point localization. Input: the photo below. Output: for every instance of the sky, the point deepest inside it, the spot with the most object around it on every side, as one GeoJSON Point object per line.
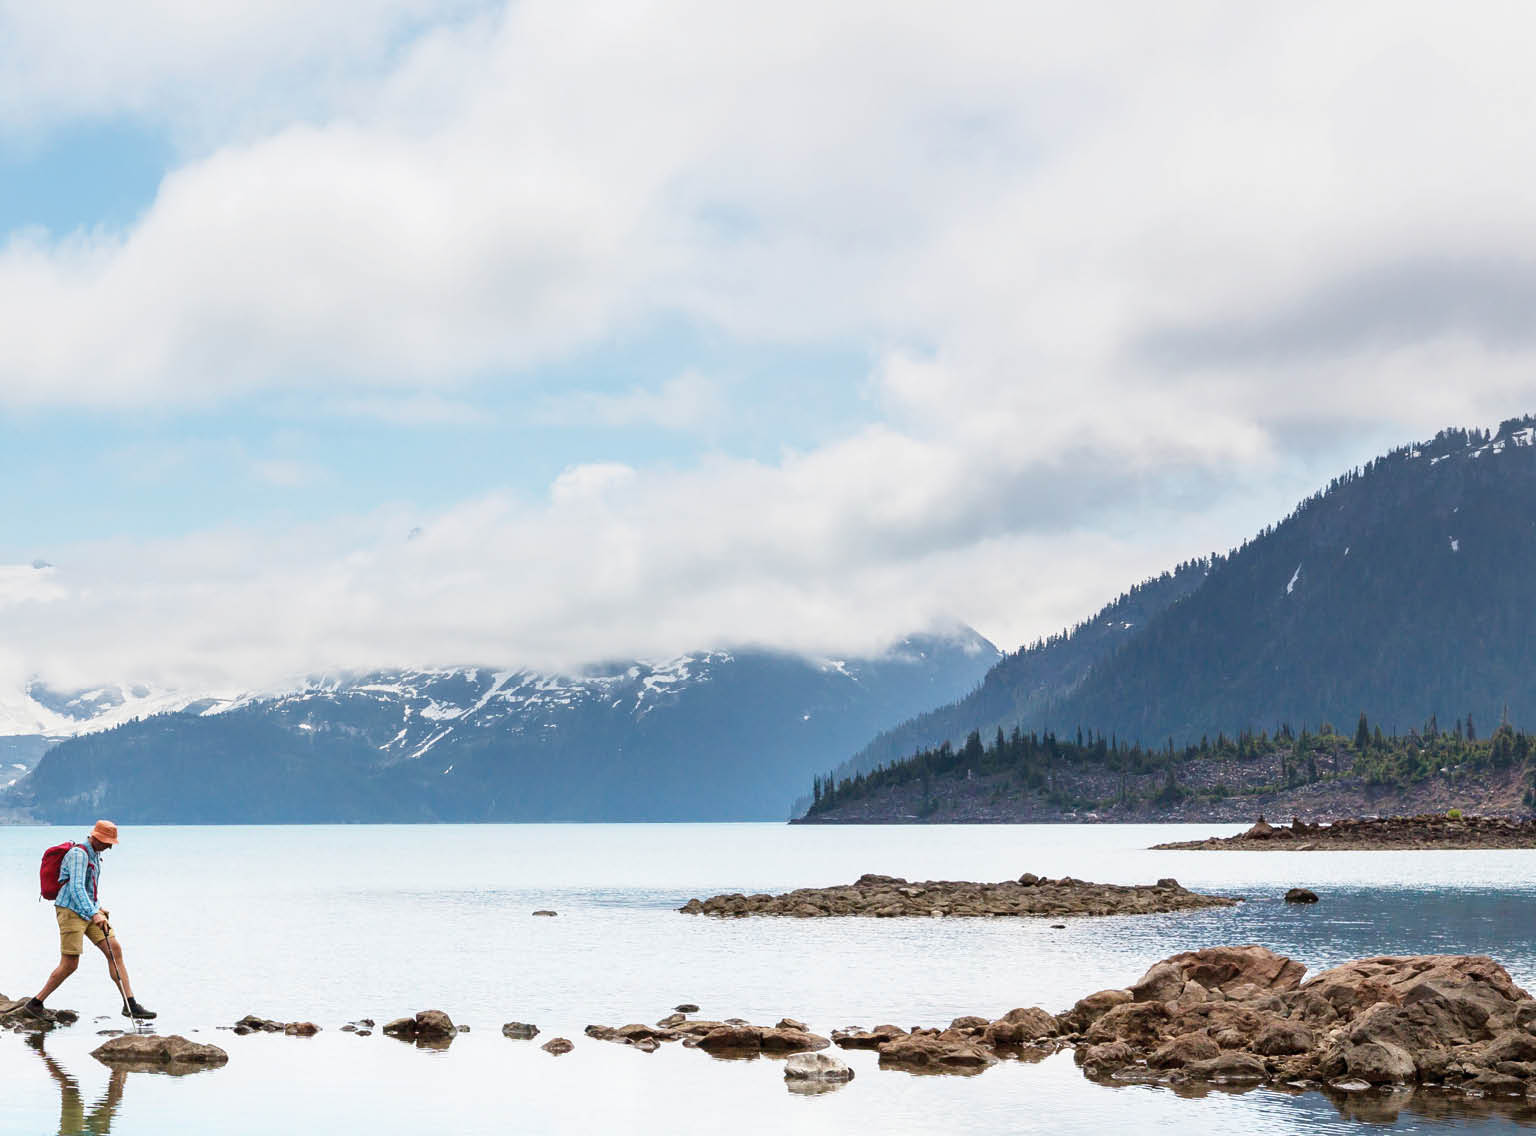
{"type": "Point", "coordinates": [429, 332]}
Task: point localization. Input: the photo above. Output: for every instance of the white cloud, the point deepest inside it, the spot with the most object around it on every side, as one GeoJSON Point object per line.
{"type": "Point", "coordinates": [426, 410]}
{"type": "Point", "coordinates": [1117, 263]}
{"type": "Point", "coordinates": [689, 401]}
{"type": "Point", "coordinates": [205, 67]}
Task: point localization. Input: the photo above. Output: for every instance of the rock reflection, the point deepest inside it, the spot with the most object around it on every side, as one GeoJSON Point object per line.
{"type": "Point", "coordinates": [1384, 1106]}
{"type": "Point", "coordinates": [74, 1118]}
{"type": "Point", "coordinates": [813, 1088]}
{"type": "Point", "coordinates": [1376, 1105]}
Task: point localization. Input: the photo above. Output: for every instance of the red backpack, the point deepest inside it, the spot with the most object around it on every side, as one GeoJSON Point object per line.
{"type": "Point", "coordinates": [48, 874]}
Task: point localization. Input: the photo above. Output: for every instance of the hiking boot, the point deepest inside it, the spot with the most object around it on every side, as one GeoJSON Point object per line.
{"type": "Point", "coordinates": [137, 1012]}
{"type": "Point", "coordinates": [35, 1009]}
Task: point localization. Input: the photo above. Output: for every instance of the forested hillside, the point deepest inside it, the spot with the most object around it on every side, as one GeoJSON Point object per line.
{"type": "Point", "coordinates": [1023, 776]}
{"type": "Point", "coordinates": [1402, 588]}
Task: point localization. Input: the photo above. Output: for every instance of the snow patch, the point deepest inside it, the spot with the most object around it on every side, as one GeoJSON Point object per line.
{"type": "Point", "coordinates": [1455, 545]}
{"type": "Point", "coordinates": [1296, 575]}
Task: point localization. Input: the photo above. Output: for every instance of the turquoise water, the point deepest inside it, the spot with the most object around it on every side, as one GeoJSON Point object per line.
{"type": "Point", "coordinates": [331, 924]}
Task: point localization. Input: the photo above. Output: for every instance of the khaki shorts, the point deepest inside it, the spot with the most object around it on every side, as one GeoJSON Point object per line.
{"type": "Point", "coordinates": [73, 931]}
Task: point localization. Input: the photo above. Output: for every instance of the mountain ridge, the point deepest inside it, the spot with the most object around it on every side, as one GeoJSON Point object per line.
{"type": "Point", "coordinates": [705, 735]}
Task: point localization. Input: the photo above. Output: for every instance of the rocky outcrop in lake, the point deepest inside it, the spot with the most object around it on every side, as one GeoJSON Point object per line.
{"type": "Point", "coordinates": [889, 896]}
{"type": "Point", "coordinates": [1243, 1015]}
{"type": "Point", "coordinates": [1426, 831]}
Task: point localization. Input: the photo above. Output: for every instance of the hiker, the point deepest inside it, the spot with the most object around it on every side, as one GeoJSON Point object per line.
{"type": "Point", "coordinates": [81, 917]}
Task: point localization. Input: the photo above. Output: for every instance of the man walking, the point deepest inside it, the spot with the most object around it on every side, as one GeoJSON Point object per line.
{"type": "Point", "coordinates": [80, 917]}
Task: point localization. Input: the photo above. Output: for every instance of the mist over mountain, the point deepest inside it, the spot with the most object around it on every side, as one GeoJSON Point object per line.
{"type": "Point", "coordinates": [1403, 590]}
{"type": "Point", "coordinates": [706, 736]}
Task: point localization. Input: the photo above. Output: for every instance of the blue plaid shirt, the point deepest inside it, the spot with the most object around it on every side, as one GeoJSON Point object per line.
{"type": "Point", "coordinates": [78, 873]}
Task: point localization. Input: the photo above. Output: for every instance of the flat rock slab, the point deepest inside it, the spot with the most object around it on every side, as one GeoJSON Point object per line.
{"type": "Point", "coordinates": [173, 1053]}
{"type": "Point", "coordinates": [1029, 895]}
{"type": "Point", "coordinates": [1429, 831]}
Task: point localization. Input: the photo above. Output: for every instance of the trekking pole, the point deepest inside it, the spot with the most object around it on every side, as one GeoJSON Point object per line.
{"type": "Point", "coordinates": [116, 981]}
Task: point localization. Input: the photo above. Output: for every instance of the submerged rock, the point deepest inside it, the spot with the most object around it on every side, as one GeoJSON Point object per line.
{"type": "Point", "coordinates": [1301, 895]}
{"type": "Point", "coordinates": [520, 1031]}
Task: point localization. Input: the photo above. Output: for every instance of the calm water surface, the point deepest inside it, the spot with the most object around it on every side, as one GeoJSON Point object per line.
{"type": "Point", "coordinates": [330, 924]}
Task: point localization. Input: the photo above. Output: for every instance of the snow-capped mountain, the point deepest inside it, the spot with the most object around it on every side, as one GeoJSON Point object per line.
{"type": "Point", "coordinates": [707, 735]}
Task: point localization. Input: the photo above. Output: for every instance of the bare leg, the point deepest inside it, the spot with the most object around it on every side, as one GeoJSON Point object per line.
{"type": "Point", "coordinates": [66, 967]}
{"type": "Point", "coordinates": [113, 950]}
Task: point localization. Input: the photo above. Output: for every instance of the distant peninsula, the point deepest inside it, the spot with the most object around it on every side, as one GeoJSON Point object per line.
{"type": "Point", "coordinates": [1429, 831]}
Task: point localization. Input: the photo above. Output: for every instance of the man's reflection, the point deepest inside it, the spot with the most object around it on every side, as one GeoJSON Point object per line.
{"type": "Point", "coordinates": [73, 1118]}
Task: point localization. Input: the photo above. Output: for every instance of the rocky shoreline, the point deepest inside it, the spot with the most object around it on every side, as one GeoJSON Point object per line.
{"type": "Point", "coordinates": [1368, 1033]}
{"type": "Point", "coordinates": [1029, 895]}
{"type": "Point", "coordinates": [1426, 831]}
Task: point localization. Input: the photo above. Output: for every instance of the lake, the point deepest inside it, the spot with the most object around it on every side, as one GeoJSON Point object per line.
{"type": "Point", "coordinates": [334, 923]}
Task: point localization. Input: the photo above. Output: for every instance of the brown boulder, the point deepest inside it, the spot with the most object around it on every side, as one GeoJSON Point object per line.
{"type": "Point", "coordinates": [1105, 1059]}
{"type": "Point", "coordinates": [1477, 985]}
{"type": "Point", "coordinates": [1283, 1038]}
{"type": "Point", "coordinates": [434, 1024]}
{"type": "Point", "coordinates": [791, 1041]}
{"type": "Point", "coordinates": [1229, 968]}
{"type": "Point", "coordinates": [866, 1039]}
{"type": "Point", "coordinates": [1187, 1049]}
{"type": "Point", "coordinates": [1510, 1046]}
{"type": "Point", "coordinates": [732, 1037]}
{"type": "Point", "coordinates": [1086, 1010]}
{"type": "Point", "coordinates": [557, 1046]}
{"type": "Point", "coordinates": [1380, 1063]}
{"type": "Point", "coordinates": [1021, 1026]}
{"type": "Point", "coordinates": [935, 1052]}
{"type": "Point", "coordinates": [1163, 983]}
{"type": "Point", "coordinates": [1140, 1023]}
